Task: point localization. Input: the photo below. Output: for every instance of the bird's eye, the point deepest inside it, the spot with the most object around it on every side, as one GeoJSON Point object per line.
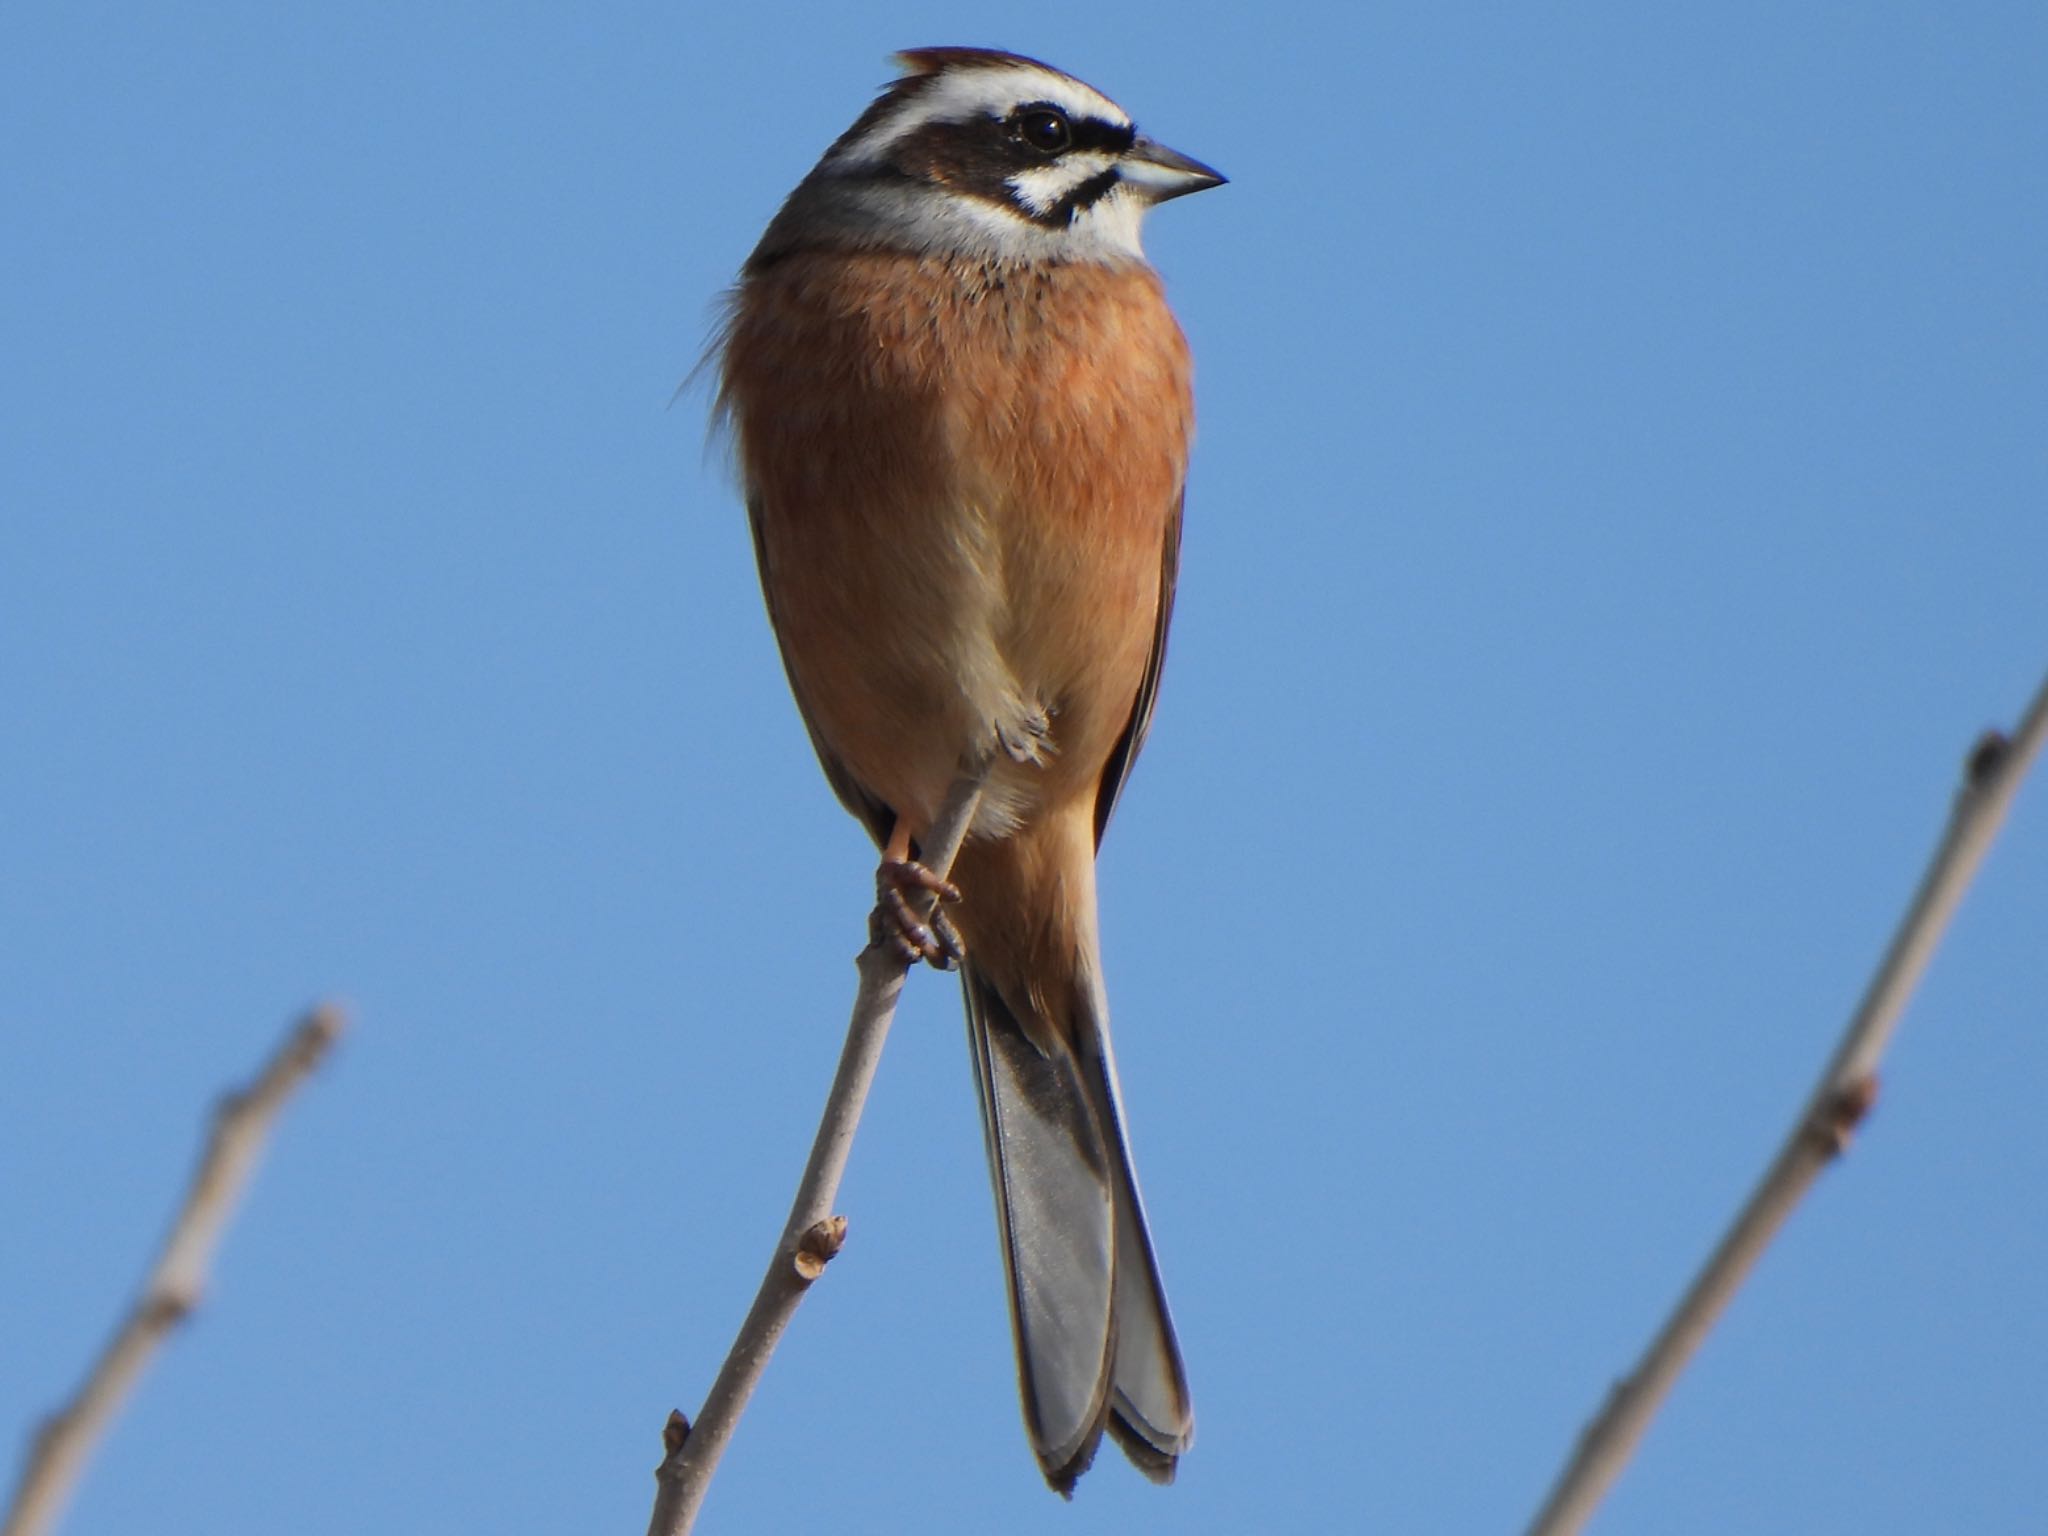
{"type": "Point", "coordinates": [1045, 129]}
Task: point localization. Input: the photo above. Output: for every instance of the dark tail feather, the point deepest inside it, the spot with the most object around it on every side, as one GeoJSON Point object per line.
{"type": "Point", "coordinates": [1095, 1344]}
{"type": "Point", "coordinates": [1151, 1414]}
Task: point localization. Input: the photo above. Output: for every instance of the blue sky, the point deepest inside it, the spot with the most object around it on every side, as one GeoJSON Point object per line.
{"type": "Point", "coordinates": [1621, 500]}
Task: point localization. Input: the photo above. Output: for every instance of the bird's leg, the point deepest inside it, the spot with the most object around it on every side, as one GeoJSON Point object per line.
{"type": "Point", "coordinates": [934, 940]}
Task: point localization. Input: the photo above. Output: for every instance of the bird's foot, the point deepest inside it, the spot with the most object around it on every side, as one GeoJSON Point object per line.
{"type": "Point", "coordinates": [896, 923]}
{"type": "Point", "coordinates": [1027, 739]}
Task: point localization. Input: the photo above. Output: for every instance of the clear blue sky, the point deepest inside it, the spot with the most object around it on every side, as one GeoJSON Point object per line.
{"type": "Point", "coordinates": [1621, 499]}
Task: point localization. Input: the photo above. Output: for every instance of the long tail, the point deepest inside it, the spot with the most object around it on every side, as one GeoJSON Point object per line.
{"type": "Point", "coordinates": [1095, 1343]}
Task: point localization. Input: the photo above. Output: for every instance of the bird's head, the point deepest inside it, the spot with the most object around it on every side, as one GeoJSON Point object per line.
{"type": "Point", "coordinates": [988, 154]}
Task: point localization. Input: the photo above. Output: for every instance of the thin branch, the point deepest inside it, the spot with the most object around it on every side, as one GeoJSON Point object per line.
{"type": "Point", "coordinates": [812, 1234]}
{"type": "Point", "coordinates": [241, 1127]}
{"type": "Point", "coordinates": [1847, 1089]}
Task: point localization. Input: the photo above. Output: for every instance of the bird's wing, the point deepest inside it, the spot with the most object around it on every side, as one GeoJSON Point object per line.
{"type": "Point", "coordinates": [877, 817]}
{"type": "Point", "coordinates": [1128, 746]}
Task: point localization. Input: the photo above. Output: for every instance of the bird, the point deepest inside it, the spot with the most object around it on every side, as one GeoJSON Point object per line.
{"type": "Point", "coordinates": [960, 411]}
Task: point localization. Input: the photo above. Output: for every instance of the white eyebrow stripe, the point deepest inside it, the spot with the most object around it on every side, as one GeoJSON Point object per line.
{"type": "Point", "coordinates": [1044, 185]}
{"type": "Point", "coordinates": [992, 91]}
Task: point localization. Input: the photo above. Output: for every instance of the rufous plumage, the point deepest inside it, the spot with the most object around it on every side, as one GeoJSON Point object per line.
{"type": "Point", "coordinates": [962, 410]}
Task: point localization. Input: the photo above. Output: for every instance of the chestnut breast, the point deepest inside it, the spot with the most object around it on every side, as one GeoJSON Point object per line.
{"type": "Point", "coordinates": [962, 476]}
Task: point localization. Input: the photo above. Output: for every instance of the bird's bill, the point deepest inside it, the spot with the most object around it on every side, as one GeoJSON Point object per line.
{"type": "Point", "coordinates": [1159, 173]}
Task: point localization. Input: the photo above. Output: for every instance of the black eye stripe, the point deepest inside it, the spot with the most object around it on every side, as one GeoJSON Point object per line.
{"type": "Point", "coordinates": [1093, 133]}
{"type": "Point", "coordinates": [1089, 133]}
{"type": "Point", "coordinates": [982, 157]}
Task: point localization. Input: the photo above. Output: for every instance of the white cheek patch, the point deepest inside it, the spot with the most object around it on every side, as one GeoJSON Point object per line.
{"type": "Point", "coordinates": [1105, 231]}
{"type": "Point", "coordinates": [1041, 187]}
{"type": "Point", "coordinates": [960, 95]}
{"type": "Point", "coordinates": [1108, 227]}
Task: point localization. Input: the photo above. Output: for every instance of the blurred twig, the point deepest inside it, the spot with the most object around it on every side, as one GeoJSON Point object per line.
{"type": "Point", "coordinates": [241, 1126]}
{"type": "Point", "coordinates": [812, 1234]}
{"type": "Point", "coordinates": [1991, 777]}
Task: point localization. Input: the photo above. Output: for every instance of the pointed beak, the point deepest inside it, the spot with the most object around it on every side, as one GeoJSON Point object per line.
{"type": "Point", "coordinates": [1157, 173]}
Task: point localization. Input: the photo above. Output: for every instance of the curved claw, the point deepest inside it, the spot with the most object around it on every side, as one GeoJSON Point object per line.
{"type": "Point", "coordinates": [954, 949]}
{"type": "Point", "coordinates": [914, 937]}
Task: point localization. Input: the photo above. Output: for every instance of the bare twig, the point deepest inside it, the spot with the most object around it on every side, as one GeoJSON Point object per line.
{"type": "Point", "coordinates": [241, 1126]}
{"type": "Point", "coordinates": [1991, 777]}
{"type": "Point", "coordinates": [812, 1235]}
